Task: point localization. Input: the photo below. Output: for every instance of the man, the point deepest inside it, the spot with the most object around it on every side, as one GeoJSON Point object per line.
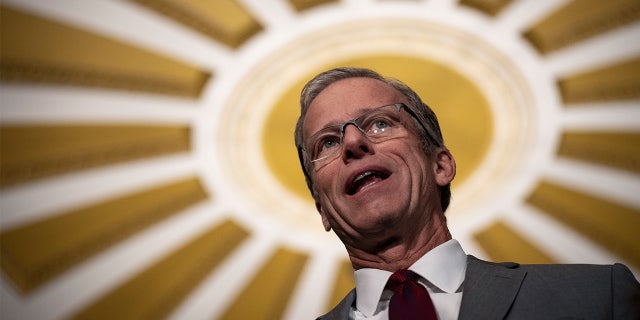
{"type": "Point", "coordinates": [375, 162]}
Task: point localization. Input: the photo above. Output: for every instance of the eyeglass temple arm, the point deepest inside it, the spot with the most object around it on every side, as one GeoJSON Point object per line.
{"type": "Point", "coordinates": [307, 177]}
{"type": "Point", "coordinates": [415, 116]}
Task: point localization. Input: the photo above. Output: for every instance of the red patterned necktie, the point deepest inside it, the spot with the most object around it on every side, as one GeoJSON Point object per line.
{"type": "Point", "coordinates": [410, 300]}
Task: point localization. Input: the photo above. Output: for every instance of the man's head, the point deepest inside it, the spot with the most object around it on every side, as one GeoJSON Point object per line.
{"type": "Point", "coordinates": [424, 114]}
{"type": "Point", "coordinates": [380, 161]}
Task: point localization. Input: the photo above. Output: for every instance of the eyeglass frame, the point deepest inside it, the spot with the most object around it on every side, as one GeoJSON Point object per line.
{"type": "Point", "coordinates": [302, 151]}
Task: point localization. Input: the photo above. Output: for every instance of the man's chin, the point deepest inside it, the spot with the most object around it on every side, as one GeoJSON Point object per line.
{"type": "Point", "coordinates": [376, 227]}
{"type": "Point", "coordinates": [374, 242]}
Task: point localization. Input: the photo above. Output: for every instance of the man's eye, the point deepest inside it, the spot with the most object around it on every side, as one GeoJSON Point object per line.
{"type": "Point", "coordinates": [379, 126]}
{"type": "Point", "coordinates": [326, 144]}
{"type": "Point", "coordinates": [329, 143]}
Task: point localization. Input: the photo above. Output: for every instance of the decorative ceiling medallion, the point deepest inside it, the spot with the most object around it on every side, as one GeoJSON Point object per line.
{"type": "Point", "coordinates": [242, 121]}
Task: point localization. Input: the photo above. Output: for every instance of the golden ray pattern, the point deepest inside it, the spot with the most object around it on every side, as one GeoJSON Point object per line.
{"type": "Point", "coordinates": [616, 82]}
{"type": "Point", "coordinates": [502, 243]}
{"type": "Point", "coordinates": [32, 152]}
{"type": "Point", "coordinates": [611, 225]}
{"type": "Point", "coordinates": [156, 291]}
{"type": "Point", "coordinates": [225, 21]}
{"type": "Point", "coordinates": [301, 5]}
{"type": "Point", "coordinates": [619, 150]}
{"type": "Point", "coordinates": [490, 7]}
{"type": "Point", "coordinates": [36, 252]}
{"type": "Point", "coordinates": [39, 50]}
{"type": "Point", "coordinates": [270, 290]}
{"type": "Point", "coordinates": [579, 20]}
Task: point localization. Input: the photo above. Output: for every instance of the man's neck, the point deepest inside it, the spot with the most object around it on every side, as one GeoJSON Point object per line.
{"type": "Point", "coordinates": [403, 252]}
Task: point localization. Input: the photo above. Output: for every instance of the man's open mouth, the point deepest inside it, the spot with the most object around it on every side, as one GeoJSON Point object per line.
{"type": "Point", "coordinates": [365, 178]}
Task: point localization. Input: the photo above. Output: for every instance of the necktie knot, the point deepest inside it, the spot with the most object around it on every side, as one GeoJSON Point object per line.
{"type": "Point", "coordinates": [410, 300]}
{"type": "Point", "coordinates": [400, 278]}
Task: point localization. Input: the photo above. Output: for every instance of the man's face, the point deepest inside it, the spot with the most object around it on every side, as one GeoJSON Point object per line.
{"type": "Point", "coordinates": [399, 189]}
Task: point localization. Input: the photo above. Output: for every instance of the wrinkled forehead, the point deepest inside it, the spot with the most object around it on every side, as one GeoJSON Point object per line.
{"type": "Point", "coordinates": [346, 99]}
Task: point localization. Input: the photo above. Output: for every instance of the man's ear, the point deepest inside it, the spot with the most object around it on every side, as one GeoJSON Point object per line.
{"type": "Point", "coordinates": [325, 221]}
{"type": "Point", "coordinates": [444, 166]}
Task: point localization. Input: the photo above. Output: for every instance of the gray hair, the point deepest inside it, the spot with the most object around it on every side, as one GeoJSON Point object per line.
{"type": "Point", "coordinates": [431, 138]}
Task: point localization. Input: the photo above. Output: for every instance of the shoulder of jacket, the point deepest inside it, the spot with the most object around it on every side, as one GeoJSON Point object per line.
{"type": "Point", "coordinates": [507, 264]}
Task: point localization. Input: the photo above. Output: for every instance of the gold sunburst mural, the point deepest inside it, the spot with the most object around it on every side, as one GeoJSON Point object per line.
{"type": "Point", "coordinates": [147, 159]}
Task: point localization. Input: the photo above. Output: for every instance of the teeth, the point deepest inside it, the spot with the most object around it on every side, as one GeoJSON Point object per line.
{"type": "Point", "coordinates": [362, 175]}
{"type": "Point", "coordinates": [355, 184]}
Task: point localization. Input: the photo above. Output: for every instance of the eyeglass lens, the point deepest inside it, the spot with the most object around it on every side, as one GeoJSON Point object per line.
{"type": "Point", "coordinates": [377, 124]}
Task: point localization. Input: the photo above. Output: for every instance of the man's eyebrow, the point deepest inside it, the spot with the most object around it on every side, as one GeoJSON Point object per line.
{"type": "Point", "coordinates": [334, 123]}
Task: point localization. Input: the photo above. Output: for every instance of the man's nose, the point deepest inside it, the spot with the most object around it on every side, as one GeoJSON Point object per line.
{"type": "Point", "coordinates": [355, 143]}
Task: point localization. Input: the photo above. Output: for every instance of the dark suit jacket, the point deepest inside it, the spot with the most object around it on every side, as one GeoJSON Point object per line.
{"type": "Point", "coordinates": [555, 291]}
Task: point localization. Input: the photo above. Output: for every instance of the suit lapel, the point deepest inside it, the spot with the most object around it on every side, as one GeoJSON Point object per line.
{"type": "Point", "coordinates": [489, 289]}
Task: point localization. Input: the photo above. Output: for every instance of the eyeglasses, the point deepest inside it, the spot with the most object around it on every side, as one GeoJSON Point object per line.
{"type": "Point", "coordinates": [378, 124]}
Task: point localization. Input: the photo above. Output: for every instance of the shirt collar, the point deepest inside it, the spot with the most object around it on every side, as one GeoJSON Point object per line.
{"type": "Point", "coordinates": [444, 266]}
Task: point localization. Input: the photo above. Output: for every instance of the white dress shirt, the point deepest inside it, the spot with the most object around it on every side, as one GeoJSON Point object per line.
{"type": "Point", "coordinates": [442, 272]}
